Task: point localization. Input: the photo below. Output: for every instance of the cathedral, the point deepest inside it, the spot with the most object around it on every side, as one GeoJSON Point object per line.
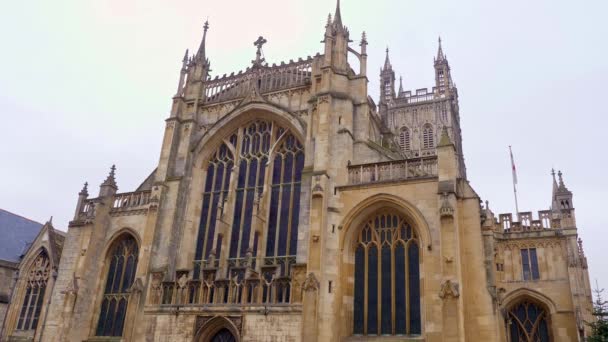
{"type": "Point", "coordinates": [288, 205]}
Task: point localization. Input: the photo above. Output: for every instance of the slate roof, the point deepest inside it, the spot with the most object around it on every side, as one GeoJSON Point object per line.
{"type": "Point", "coordinates": [16, 235]}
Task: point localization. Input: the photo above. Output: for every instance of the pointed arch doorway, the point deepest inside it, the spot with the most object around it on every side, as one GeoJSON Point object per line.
{"type": "Point", "coordinates": [224, 335]}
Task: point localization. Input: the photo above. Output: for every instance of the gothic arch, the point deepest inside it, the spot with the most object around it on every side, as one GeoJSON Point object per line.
{"type": "Point", "coordinates": [518, 295]}
{"type": "Point", "coordinates": [353, 220]}
{"type": "Point", "coordinates": [118, 235]}
{"type": "Point", "coordinates": [211, 327]}
{"type": "Point", "coordinates": [526, 305]}
{"type": "Point", "coordinates": [210, 140]}
{"type": "Point", "coordinates": [104, 271]}
{"type": "Point", "coordinates": [353, 224]}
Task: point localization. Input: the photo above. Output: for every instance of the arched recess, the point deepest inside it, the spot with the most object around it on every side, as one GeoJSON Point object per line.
{"type": "Point", "coordinates": [515, 296]}
{"type": "Point", "coordinates": [410, 230]}
{"type": "Point", "coordinates": [212, 327]}
{"type": "Point", "coordinates": [117, 275]}
{"type": "Point", "coordinates": [527, 316]}
{"type": "Point", "coordinates": [353, 220]}
{"type": "Point", "coordinates": [207, 142]}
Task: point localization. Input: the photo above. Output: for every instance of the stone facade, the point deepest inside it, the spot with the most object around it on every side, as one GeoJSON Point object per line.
{"type": "Point", "coordinates": [257, 253]}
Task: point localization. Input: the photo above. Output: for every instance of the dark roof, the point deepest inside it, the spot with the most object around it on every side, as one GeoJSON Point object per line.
{"type": "Point", "coordinates": [16, 235]}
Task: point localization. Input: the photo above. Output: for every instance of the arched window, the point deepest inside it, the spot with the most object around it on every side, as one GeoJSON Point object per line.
{"type": "Point", "coordinates": [404, 139]}
{"type": "Point", "coordinates": [528, 322]}
{"type": "Point", "coordinates": [428, 139]}
{"type": "Point", "coordinates": [37, 278]}
{"type": "Point", "coordinates": [387, 278]}
{"type": "Point", "coordinates": [122, 259]}
{"type": "Point", "coordinates": [261, 145]}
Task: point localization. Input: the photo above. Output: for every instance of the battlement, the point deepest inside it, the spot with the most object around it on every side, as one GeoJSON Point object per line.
{"type": "Point", "coordinates": [419, 96]}
{"type": "Point", "coordinates": [547, 219]}
{"type": "Point", "coordinates": [269, 79]}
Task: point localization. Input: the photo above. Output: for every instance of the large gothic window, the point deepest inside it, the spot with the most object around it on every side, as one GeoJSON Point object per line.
{"type": "Point", "coordinates": [268, 161]}
{"type": "Point", "coordinates": [37, 278]}
{"type": "Point", "coordinates": [527, 322]}
{"type": "Point", "coordinates": [428, 139]}
{"type": "Point", "coordinates": [122, 259]}
{"type": "Point", "coordinates": [387, 278]}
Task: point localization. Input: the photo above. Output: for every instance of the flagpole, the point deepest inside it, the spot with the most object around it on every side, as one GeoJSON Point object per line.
{"type": "Point", "coordinates": [514, 182]}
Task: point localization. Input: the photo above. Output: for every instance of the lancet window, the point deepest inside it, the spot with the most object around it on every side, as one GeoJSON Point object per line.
{"type": "Point", "coordinates": [122, 260]}
{"type": "Point", "coordinates": [387, 278]}
{"type": "Point", "coordinates": [428, 139]}
{"type": "Point", "coordinates": [37, 278]}
{"type": "Point", "coordinates": [404, 139]}
{"type": "Point", "coordinates": [268, 160]}
{"type": "Point", "coordinates": [528, 322]}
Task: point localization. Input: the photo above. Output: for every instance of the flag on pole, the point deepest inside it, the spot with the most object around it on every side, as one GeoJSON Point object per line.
{"type": "Point", "coordinates": [513, 167]}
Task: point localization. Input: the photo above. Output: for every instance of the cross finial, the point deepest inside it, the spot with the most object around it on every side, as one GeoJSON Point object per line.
{"type": "Point", "coordinates": [258, 55]}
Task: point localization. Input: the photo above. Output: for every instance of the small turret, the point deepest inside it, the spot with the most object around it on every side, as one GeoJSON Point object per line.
{"type": "Point", "coordinates": [336, 41]}
{"type": "Point", "coordinates": [387, 81]}
{"type": "Point", "coordinates": [561, 202]}
{"type": "Point", "coordinates": [199, 65]}
{"type": "Point", "coordinates": [443, 77]}
{"type": "Point", "coordinates": [109, 187]}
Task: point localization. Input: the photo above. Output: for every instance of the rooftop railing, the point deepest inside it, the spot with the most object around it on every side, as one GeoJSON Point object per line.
{"type": "Point", "coordinates": [392, 170]}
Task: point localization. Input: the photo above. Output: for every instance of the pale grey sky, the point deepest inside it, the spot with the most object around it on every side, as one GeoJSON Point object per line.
{"type": "Point", "coordinates": [88, 84]}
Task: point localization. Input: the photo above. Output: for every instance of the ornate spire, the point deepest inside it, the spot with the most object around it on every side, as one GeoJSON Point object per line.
{"type": "Point", "coordinates": [440, 55]}
{"type": "Point", "coordinates": [387, 61]}
{"type": "Point", "coordinates": [400, 84]}
{"type": "Point", "coordinates": [338, 16]}
{"type": "Point", "coordinates": [363, 39]}
{"type": "Point", "coordinates": [185, 60]}
{"type": "Point", "coordinates": [85, 190]}
{"type": "Point", "coordinates": [201, 54]}
{"type": "Point", "coordinates": [562, 186]}
{"type": "Point", "coordinates": [111, 180]}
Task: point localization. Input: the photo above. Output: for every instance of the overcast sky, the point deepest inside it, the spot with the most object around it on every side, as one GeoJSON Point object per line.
{"type": "Point", "coordinates": [86, 84]}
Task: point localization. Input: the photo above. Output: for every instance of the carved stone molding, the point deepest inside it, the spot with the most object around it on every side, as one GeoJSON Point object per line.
{"type": "Point", "coordinates": [449, 289]}
{"type": "Point", "coordinates": [446, 210]}
{"type": "Point", "coordinates": [311, 283]}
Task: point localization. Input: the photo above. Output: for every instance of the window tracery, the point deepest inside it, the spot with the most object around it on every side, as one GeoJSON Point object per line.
{"type": "Point", "coordinates": [528, 322]}
{"type": "Point", "coordinates": [387, 278]}
{"type": "Point", "coordinates": [37, 278]}
{"type": "Point", "coordinates": [122, 259]}
{"type": "Point", "coordinates": [265, 211]}
{"type": "Point", "coordinates": [404, 139]}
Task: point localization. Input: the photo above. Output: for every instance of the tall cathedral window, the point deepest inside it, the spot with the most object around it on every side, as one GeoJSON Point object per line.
{"type": "Point", "coordinates": [404, 139]}
{"type": "Point", "coordinates": [37, 278]}
{"type": "Point", "coordinates": [122, 259]}
{"type": "Point", "coordinates": [267, 175]}
{"type": "Point", "coordinates": [428, 139]}
{"type": "Point", "coordinates": [387, 278]}
{"type": "Point", "coordinates": [528, 322]}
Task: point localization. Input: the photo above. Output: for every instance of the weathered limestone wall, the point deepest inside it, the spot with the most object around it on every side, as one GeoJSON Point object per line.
{"type": "Point", "coordinates": [271, 328]}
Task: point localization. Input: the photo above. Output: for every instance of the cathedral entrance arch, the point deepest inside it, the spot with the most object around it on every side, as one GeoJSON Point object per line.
{"type": "Point", "coordinates": [218, 329]}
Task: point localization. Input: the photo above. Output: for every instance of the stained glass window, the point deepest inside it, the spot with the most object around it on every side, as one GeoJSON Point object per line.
{"type": "Point", "coordinates": [527, 322]}
{"type": "Point", "coordinates": [266, 172]}
{"type": "Point", "coordinates": [37, 278]}
{"type": "Point", "coordinates": [387, 278]}
{"type": "Point", "coordinates": [122, 259]}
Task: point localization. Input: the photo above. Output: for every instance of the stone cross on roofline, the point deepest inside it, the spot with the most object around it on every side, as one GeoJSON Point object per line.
{"type": "Point", "coordinates": [258, 55]}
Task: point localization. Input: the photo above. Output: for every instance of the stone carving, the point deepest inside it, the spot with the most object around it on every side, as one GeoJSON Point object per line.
{"type": "Point", "coordinates": [446, 209]}
{"type": "Point", "coordinates": [311, 283]}
{"type": "Point", "coordinates": [449, 289]}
